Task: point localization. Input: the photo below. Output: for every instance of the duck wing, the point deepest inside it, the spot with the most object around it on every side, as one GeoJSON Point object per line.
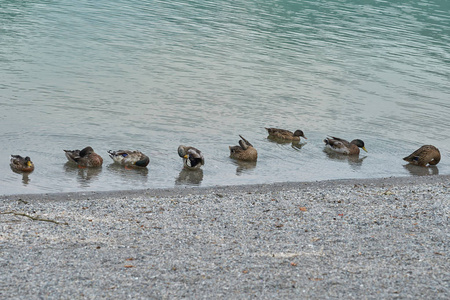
{"type": "Point", "coordinates": [196, 154]}
{"type": "Point", "coordinates": [72, 155]}
{"type": "Point", "coordinates": [336, 142]}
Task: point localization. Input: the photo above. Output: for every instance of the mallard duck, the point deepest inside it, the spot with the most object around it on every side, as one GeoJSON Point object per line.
{"type": "Point", "coordinates": [284, 134]}
{"type": "Point", "coordinates": [84, 158]}
{"type": "Point", "coordinates": [244, 151]}
{"type": "Point", "coordinates": [192, 157]}
{"type": "Point", "coordinates": [427, 154]}
{"type": "Point", "coordinates": [21, 164]}
{"type": "Point", "coordinates": [129, 158]}
{"type": "Point", "coordinates": [343, 146]}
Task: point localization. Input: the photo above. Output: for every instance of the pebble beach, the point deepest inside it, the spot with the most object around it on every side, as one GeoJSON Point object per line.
{"type": "Point", "coordinates": [352, 239]}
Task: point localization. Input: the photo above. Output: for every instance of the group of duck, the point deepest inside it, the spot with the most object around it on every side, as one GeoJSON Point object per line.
{"type": "Point", "coordinates": [193, 158]}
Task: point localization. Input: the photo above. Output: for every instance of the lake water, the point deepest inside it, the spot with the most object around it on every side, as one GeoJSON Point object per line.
{"type": "Point", "coordinates": [151, 75]}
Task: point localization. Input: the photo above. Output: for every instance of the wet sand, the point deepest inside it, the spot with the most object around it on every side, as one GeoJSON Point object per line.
{"type": "Point", "coordinates": [352, 239]}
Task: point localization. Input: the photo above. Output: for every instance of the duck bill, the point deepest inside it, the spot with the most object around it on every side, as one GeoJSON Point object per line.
{"type": "Point", "coordinates": [364, 148]}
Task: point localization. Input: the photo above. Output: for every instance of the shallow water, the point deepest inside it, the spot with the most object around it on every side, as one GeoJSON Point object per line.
{"type": "Point", "coordinates": [151, 75]}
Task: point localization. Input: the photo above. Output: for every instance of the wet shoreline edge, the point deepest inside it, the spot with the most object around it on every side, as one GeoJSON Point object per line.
{"type": "Point", "coordinates": [245, 188]}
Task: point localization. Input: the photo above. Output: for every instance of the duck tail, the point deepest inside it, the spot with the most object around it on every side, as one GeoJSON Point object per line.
{"type": "Point", "coordinates": [246, 142]}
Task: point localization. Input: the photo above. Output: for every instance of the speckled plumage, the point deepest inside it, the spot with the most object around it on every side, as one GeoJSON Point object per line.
{"type": "Point", "coordinates": [427, 154]}
{"type": "Point", "coordinates": [283, 134]}
{"type": "Point", "coordinates": [129, 158]}
{"type": "Point", "coordinates": [21, 164]}
{"type": "Point", "coordinates": [85, 157]}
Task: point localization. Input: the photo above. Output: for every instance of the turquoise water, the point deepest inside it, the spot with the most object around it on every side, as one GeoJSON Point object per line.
{"type": "Point", "coordinates": [151, 75]}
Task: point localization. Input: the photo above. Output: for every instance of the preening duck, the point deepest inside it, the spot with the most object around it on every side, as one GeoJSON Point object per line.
{"type": "Point", "coordinates": [85, 157]}
{"type": "Point", "coordinates": [192, 157]}
{"type": "Point", "coordinates": [245, 151]}
{"type": "Point", "coordinates": [427, 154]}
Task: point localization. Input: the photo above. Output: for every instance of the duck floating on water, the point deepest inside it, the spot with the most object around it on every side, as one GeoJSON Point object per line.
{"type": "Point", "coordinates": [427, 154]}
{"type": "Point", "coordinates": [283, 134]}
{"type": "Point", "coordinates": [85, 157]}
{"type": "Point", "coordinates": [245, 151]}
{"type": "Point", "coordinates": [129, 158]}
{"type": "Point", "coordinates": [192, 157]}
{"type": "Point", "coordinates": [21, 164]}
{"type": "Point", "coordinates": [342, 146]}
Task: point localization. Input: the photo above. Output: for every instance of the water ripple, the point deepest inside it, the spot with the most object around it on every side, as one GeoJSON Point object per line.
{"type": "Point", "coordinates": [151, 75]}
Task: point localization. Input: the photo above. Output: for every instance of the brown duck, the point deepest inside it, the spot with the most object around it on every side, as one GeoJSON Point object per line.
{"type": "Point", "coordinates": [244, 151]}
{"type": "Point", "coordinates": [283, 134]}
{"type": "Point", "coordinates": [342, 146]}
{"type": "Point", "coordinates": [85, 157]}
{"type": "Point", "coordinates": [21, 164]}
{"type": "Point", "coordinates": [427, 154]}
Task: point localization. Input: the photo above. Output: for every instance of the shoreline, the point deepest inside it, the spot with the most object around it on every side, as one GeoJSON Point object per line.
{"type": "Point", "coordinates": [195, 190]}
{"type": "Point", "coordinates": [352, 239]}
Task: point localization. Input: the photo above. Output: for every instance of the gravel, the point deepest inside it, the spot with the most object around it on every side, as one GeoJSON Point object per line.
{"type": "Point", "coordinates": [352, 239]}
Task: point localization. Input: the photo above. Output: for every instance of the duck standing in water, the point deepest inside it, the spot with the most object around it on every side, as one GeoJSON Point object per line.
{"type": "Point", "coordinates": [342, 146]}
{"type": "Point", "coordinates": [427, 154]}
{"type": "Point", "coordinates": [129, 158]}
{"type": "Point", "coordinates": [283, 134]}
{"type": "Point", "coordinates": [244, 151]}
{"type": "Point", "coordinates": [85, 157]}
{"type": "Point", "coordinates": [192, 157]}
{"type": "Point", "coordinates": [21, 164]}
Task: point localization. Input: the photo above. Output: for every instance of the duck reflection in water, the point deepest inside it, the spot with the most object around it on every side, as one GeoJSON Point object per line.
{"type": "Point", "coordinates": [84, 174]}
{"type": "Point", "coordinates": [353, 160]}
{"type": "Point", "coordinates": [421, 171]}
{"type": "Point", "coordinates": [296, 145]}
{"type": "Point", "coordinates": [119, 169]}
{"type": "Point", "coordinates": [189, 177]}
{"type": "Point", "coordinates": [25, 176]}
{"type": "Point", "coordinates": [130, 175]}
{"type": "Point", "coordinates": [244, 166]}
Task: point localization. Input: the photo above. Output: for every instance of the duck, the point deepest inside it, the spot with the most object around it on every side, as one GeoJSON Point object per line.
{"type": "Point", "coordinates": [85, 157]}
{"type": "Point", "coordinates": [427, 154]}
{"type": "Point", "coordinates": [284, 134]}
{"type": "Point", "coordinates": [129, 158]}
{"type": "Point", "coordinates": [21, 164]}
{"type": "Point", "coordinates": [342, 146]}
{"type": "Point", "coordinates": [245, 151]}
{"type": "Point", "coordinates": [192, 157]}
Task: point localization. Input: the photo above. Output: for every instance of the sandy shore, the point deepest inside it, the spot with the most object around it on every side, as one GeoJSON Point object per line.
{"type": "Point", "coordinates": [351, 239]}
